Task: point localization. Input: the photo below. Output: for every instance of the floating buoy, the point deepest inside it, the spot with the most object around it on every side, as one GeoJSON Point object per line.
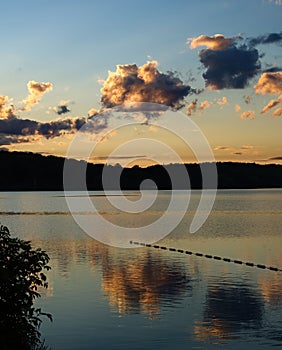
{"type": "Point", "coordinates": [208, 256]}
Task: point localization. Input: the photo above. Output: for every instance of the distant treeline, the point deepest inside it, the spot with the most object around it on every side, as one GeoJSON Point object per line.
{"type": "Point", "coordinates": [22, 171]}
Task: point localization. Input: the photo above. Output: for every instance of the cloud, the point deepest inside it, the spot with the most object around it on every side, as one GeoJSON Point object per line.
{"type": "Point", "coordinates": [205, 105]}
{"type": "Point", "coordinates": [130, 83]}
{"type": "Point", "coordinates": [222, 148]}
{"type": "Point", "coordinates": [237, 108]}
{"type": "Point", "coordinates": [277, 112]}
{"type": "Point", "coordinates": [248, 115]}
{"type": "Point", "coordinates": [271, 38]}
{"type": "Point", "coordinates": [216, 42]}
{"type": "Point", "coordinates": [27, 127]}
{"type": "Point", "coordinates": [108, 136]}
{"type": "Point", "coordinates": [192, 106]}
{"type": "Point", "coordinates": [62, 109]}
{"type": "Point", "coordinates": [92, 112]}
{"type": "Point", "coordinates": [275, 158]}
{"type": "Point", "coordinates": [227, 64]}
{"type": "Point", "coordinates": [14, 129]}
{"type": "Point", "coordinates": [36, 92]}
{"type": "Point", "coordinates": [121, 157]}
{"type": "Point", "coordinates": [272, 69]}
{"type": "Point", "coordinates": [271, 104]}
{"type": "Point", "coordinates": [247, 99]}
{"type": "Point", "coordinates": [238, 153]}
{"type": "Point", "coordinates": [269, 83]}
{"type": "Point", "coordinates": [275, 2]}
{"type": "Point", "coordinates": [231, 68]}
{"type": "Point", "coordinates": [222, 101]}
{"type": "Point", "coordinates": [270, 159]}
{"type": "Point", "coordinates": [247, 147]}
{"type": "Point", "coordinates": [6, 112]}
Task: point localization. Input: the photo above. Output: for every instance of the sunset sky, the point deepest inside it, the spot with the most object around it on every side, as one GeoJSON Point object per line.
{"type": "Point", "coordinates": [219, 62]}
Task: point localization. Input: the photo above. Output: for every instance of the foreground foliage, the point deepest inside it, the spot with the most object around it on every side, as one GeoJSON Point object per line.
{"type": "Point", "coordinates": [21, 274]}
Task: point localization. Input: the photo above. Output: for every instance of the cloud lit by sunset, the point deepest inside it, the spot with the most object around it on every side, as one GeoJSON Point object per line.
{"type": "Point", "coordinates": [218, 80]}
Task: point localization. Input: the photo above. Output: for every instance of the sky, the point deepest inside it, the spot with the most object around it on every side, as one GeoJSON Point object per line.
{"type": "Point", "coordinates": [67, 63]}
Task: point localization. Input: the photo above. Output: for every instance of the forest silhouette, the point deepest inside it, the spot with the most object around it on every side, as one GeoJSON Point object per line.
{"type": "Point", "coordinates": [24, 171]}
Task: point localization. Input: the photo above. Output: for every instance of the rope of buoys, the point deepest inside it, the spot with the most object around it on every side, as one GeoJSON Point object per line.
{"type": "Point", "coordinates": [208, 256]}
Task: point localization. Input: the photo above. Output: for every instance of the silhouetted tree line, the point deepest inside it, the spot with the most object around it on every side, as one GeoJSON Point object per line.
{"type": "Point", "coordinates": [29, 171]}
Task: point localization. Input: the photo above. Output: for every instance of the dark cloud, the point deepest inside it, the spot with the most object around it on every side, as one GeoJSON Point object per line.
{"type": "Point", "coordinates": [62, 109]}
{"type": "Point", "coordinates": [247, 99]}
{"type": "Point", "coordinates": [13, 129]}
{"type": "Point", "coordinates": [119, 157]}
{"type": "Point", "coordinates": [271, 38]}
{"type": "Point", "coordinates": [272, 69]}
{"type": "Point", "coordinates": [10, 139]}
{"type": "Point", "coordinates": [23, 130]}
{"type": "Point", "coordinates": [133, 84]}
{"type": "Point", "coordinates": [275, 158]}
{"type": "Point", "coordinates": [232, 62]}
{"type": "Point", "coordinates": [230, 68]}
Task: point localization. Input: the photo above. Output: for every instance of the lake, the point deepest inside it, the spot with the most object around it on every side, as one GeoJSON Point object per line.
{"type": "Point", "coordinates": [103, 297]}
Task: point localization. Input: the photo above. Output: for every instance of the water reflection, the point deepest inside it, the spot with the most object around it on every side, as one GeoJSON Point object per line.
{"type": "Point", "coordinates": [229, 308]}
{"type": "Point", "coordinates": [148, 282]}
{"type": "Point", "coordinates": [134, 281]}
{"type": "Point", "coordinates": [144, 284]}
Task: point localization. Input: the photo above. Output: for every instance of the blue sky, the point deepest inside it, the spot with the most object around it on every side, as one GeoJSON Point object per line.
{"type": "Point", "coordinates": [73, 45]}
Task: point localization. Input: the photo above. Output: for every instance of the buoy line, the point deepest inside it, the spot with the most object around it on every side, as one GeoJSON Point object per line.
{"type": "Point", "coordinates": [208, 256]}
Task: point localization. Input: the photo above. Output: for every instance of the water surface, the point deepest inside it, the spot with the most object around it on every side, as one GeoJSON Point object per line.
{"type": "Point", "coordinates": [103, 297]}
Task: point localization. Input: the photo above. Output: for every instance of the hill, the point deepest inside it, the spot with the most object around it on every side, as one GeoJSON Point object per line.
{"type": "Point", "coordinates": [22, 171]}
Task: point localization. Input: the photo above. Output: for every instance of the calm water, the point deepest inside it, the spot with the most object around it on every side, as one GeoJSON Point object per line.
{"type": "Point", "coordinates": [111, 298]}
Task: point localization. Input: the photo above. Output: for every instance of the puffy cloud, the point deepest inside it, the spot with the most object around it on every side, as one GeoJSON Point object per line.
{"type": "Point", "coordinates": [216, 42]}
{"type": "Point", "coordinates": [277, 112]}
{"type": "Point", "coordinates": [237, 108]}
{"type": "Point", "coordinates": [222, 101]}
{"type": "Point", "coordinates": [6, 112]}
{"type": "Point", "coordinates": [16, 130]}
{"type": "Point", "coordinates": [92, 112]}
{"type": "Point", "coordinates": [205, 105]}
{"type": "Point", "coordinates": [248, 115]}
{"type": "Point", "coordinates": [227, 65]}
{"type": "Point", "coordinates": [230, 68]}
{"type": "Point", "coordinates": [270, 38]}
{"type": "Point", "coordinates": [269, 83]}
{"type": "Point", "coordinates": [130, 83]}
{"type": "Point", "coordinates": [247, 99]}
{"type": "Point", "coordinates": [62, 108]}
{"type": "Point", "coordinates": [247, 147]}
{"type": "Point", "coordinates": [271, 104]}
{"type": "Point", "coordinates": [192, 106]}
{"type": "Point", "coordinates": [222, 148]}
{"type": "Point", "coordinates": [36, 92]}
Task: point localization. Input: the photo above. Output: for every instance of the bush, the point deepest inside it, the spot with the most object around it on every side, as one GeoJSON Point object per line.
{"type": "Point", "coordinates": [20, 276]}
